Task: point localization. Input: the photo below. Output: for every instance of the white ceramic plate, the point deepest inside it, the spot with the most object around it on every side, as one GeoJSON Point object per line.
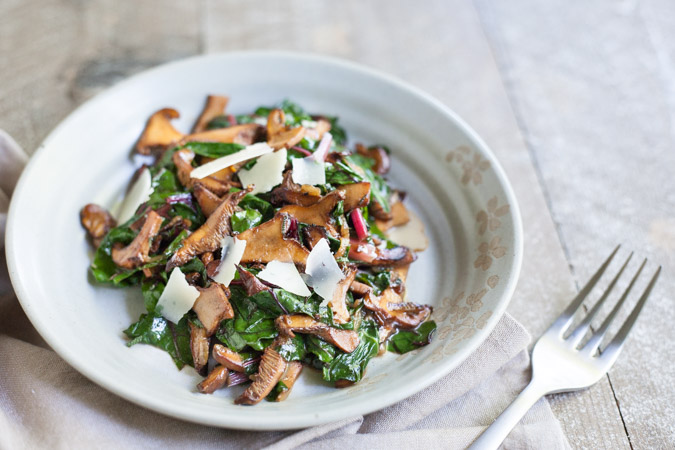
{"type": "Point", "coordinates": [453, 181]}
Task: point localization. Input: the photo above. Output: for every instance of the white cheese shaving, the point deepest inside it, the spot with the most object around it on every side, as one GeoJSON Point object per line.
{"type": "Point", "coordinates": [138, 194]}
{"type": "Point", "coordinates": [177, 298]}
{"type": "Point", "coordinates": [249, 152]}
{"type": "Point", "coordinates": [411, 234]}
{"type": "Point", "coordinates": [233, 250]}
{"type": "Point", "coordinates": [324, 272]}
{"type": "Point", "coordinates": [308, 171]}
{"type": "Point", "coordinates": [286, 276]}
{"type": "Point", "coordinates": [267, 172]}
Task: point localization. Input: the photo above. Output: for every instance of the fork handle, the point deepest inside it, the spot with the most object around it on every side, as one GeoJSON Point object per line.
{"type": "Point", "coordinates": [495, 434]}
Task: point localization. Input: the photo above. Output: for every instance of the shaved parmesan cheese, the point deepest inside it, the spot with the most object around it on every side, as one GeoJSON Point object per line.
{"type": "Point", "coordinates": [177, 298]}
{"type": "Point", "coordinates": [308, 171]}
{"type": "Point", "coordinates": [138, 194]}
{"type": "Point", "coordinates": [286, 276]}
{"type": "Point", "coordinates": [233, 250]}
{"type": "Point", "coordinates": [267, 172]}
{"type": "Point", "coordinates": [250, 152]}
{"type": "Point", "coordinates": [410, 235]}
{"type": "Point", "coordinates": [324, 272]}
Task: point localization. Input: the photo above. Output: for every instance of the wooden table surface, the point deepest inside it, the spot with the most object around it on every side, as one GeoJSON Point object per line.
{"type": "Point", "coordinates": [577, 99]}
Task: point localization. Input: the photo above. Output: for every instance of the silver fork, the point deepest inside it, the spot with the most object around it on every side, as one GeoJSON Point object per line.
{"type": "Point", "coordinates": [560, 363]}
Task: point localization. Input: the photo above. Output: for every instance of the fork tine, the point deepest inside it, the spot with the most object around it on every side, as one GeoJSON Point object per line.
{"type": "Point", "coordinates": [578, 334]}
{"type": "Point", "coordinates": [595, 340]}
{"type": "Point", "coordinates": [611, 352]}
{"type": "Point", "coordinates": [564, 321]}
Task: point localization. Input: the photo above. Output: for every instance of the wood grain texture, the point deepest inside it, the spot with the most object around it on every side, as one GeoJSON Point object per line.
{"type": "Point", "coordinates": [594, 86]}
{"type": "Point", "coordinates": [592, 92]}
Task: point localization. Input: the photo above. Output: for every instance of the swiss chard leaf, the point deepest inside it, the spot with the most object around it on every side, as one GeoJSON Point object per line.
{"type": "Point", "coordinates": [251, 201]}
{"type": "Point", "coordinates": [276, 391]}
{"type": "Point", "coordinates": [339, 133]}
{"type": "Point", "coordinates": [379, 189]}
{"type": "Point", "coordinates": [351, 366]}
{"type": "Point", "coordinates": [251, 325]}
{"type": "Point", "coordinates": [152, 290]}
{"type": "Point", "coordinates": [213, 149]}
{"type": "Point", "coordinates": [293, 349]}
{"type": "Point", "coordinates": [405, 341]}
{"type": "Point", "coordinates": [378, 281]}
{"type": "Point", "coordinates": [155, 330]}
{"type": "Point", "coordinates": [245, 219]}
{"type": "Point", "coordinates": [324, 351]}
{"type": "Point", "coordinates": [103, 268]}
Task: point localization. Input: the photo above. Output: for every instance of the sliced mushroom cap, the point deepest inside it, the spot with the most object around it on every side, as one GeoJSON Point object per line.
{"type": "Point", "coordinates": [97, 221]}
{"type": "Point", "coordinates": [214, 107]}
{"type": "Point", "coordinates": [214, 381]}
{"type": "Point", "coordinates": [212, 306]}
{"type": "Point", "coordinates": [207, 238]}
{"type": "Point", "coordinates": [278, 134]}
{"type": "Point", "coordinates": [208, 201]}
{"type": "Point", "coordinates": [244, 134]}
{"type": "Point", "coordinates": [345, 340]}
{"type": "Point", "coordinates": [357, 195]}
{"type": "Point", "coordinates": [316, 132]}
{"type": "Point", "coordinates": [390, 309]}
{"type": "Point", "coordinates": [272, 367]}
{"type": "Point", "coordinates": [397, 256]}
{"type": "Point", "coordinates": [182, 159]}
{"type": "Point", "coordinates": [379, 154]}
{"type": "Point", "coordinates": [252, 284]}
{"type": "Point", "coordinates": [266, 243]}
{"type": "Point", "coordinates": [293, 371]}
{"type": "Point", "coordinates": [338, 303]}
{"type": "Point", "coordinates": [136, 253]}
{"type": "Point", "coordinates": [312, 234]}
{"type": "Point", "coordinates": [399, 216]}
{"type": "Point", "coordinates": [377, 210]}
{"type": "Point", "coordinates": [228, 358]}
{"type": "Point", "coordinates": [199, 346]}
{"type": "Point", "coordinates": [290, 192]}
{"type": "Point", "coordinates": [321, 213]}
{"type": "Point", "coordinates": [359, 288]}
{"type": "Point", "coordinates": [158, 132]}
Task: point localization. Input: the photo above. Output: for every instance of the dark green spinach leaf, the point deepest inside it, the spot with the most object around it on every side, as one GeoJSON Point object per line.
{"type": "Point", "coordinates": [405, 341]}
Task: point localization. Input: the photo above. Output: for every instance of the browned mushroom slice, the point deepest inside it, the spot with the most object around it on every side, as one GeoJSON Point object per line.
{"type": "Point", "coordinates": [318, 214]}
{"type": "Point", "coordinates": [377, 211]}
{"type": "Point", "coordinates": [397, 256]}
{"type": "Point", "coordinates": [212, 306]}
{"type": "Point", "coordinates": [338, 303]}
{"type": "Point", "coordinates": [382, 160]}
{"type": "Point", "coordinates": [345, 340]}
{"type": "Point", "coordinates": [214, 381]}
{"type": "Point", "coordinates": [228, 358]}
{"type": "Point", "coordinates": [266, 243]}
{"type": "Point", "coordinates": [312, 234]}
{"type": "Point", "coordinates": [252, 284]}
{"type": "Point", "coordinates": [244, 134]}
{"type": "Point", "coordinates": [359, 288]}
{"type": "Point", "coordinates": [158, 132]}
{"type": "Point", "coordinates": [290, 192]}
{"type": "Point", "coordinates": [272, 367]}
{"type": "Point", "coordinates": [207, 237]}
{"type": "Point", "coordinates": [399, 216]}
{"type": "Point", "coordinates": [278, 134]}
{"type": "Point", "coordinates": [97, 221]}
{"type": "Point", "coordinates": [208, 201]}
{"type": "Point", "coordinates": [357, 195]}
{"type": "Point", "coordinates": [214, 107]}
{"type": "Point", "coordinates": [199, 346]}
{"type": "Point", "coordinates": [136, 253]}
{"type": "Point", "coordinates": [182, 159]}
{"type": "Point", "coordinates": [316, 132]}
{"type": "Point", "coordinates": [390, 309]}
{"type": "Point", "coordinates": [289, 378]}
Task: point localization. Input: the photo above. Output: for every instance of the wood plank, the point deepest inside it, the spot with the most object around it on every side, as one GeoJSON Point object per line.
{"type": "Point", "coordinates": [594, 85]}
{"type": "Point", "coordinates": [57, 53]}
{"type": "Point", "coordinates": [444, 52]}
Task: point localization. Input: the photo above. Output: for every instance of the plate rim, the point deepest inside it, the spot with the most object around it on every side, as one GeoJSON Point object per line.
{"type": "Point", "coordinates": [313, 419]}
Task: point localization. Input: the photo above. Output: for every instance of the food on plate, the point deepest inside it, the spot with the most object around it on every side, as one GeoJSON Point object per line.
{"type": "Point", "coordinates": [263, 245]}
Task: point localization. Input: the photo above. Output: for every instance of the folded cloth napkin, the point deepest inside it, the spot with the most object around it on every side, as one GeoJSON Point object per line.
{"type": "Point", "coordinates": [44, 403]}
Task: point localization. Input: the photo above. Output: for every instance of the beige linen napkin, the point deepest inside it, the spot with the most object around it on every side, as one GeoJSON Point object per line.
{"type": "Point", "coordinates": [44, 403]}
